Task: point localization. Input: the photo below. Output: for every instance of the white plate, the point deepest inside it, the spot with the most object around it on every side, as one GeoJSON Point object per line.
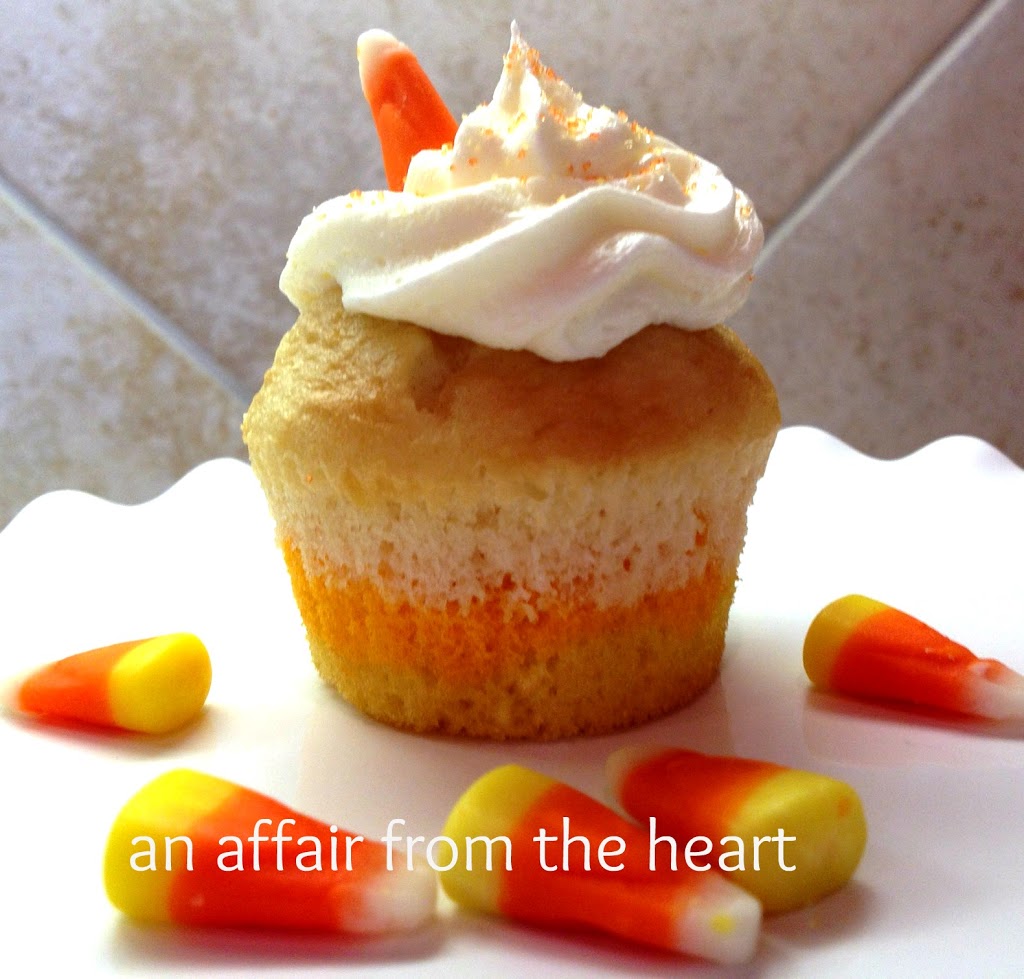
{"type": "Point", "coordinates": [940, 890]}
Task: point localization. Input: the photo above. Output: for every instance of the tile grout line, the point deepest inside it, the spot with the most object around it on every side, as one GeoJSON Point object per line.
{"type": "Point", "coordinates": [871, 136]}
{"type": "Point", "coordinates": [163, 328]}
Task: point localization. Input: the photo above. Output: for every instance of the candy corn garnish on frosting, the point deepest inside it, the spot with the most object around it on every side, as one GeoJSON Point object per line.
{"type": "Point", "coordinates": [152, 686]}
{"type": "Point", "coordinates": [193, 849]}
{"type": "Point", "coordinates": [862, 647]}
{"type": "Point", "coordinates": [787, 836]}
{"type": "Point", "coordinates": [591, 868]}
{"type": "Point", "coordinates": [409, 114]}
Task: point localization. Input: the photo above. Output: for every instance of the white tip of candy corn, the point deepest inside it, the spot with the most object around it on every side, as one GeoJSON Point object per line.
{"type": "Point", "coordinates": [371, 46]}
{"type": "Point", "coordinates": [999, 700]}
{"type": "Point", "coordinates": [397, 900]}
{"type": "Point", "coordinates": [9, 690]}
{"type": "Point", "coordinates": [620, 763]}
{"type": "Point", "coordinates": [722, 924]}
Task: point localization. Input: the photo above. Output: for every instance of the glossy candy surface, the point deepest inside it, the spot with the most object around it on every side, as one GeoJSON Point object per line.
{"type": "Point", "coordinates": [152, 686]}
{"type": "Point", "coordinates": [787, 836]}
{"type": "Point", "coordinates": [592, 870]}
{"type": "Point", "coordinates": [194, 849]}
{"type": "Point", "coordinates": [409, 114]}
{"type": "Point", "coordinates": [865, 648]}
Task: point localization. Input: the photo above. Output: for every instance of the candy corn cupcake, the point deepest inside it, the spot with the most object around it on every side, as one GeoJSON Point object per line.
{"type": "Point", "coordinates": [508, 446]}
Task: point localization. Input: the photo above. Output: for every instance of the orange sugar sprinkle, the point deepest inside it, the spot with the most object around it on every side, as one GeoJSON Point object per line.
{"type": "Point", "coordinates": [521, 155]}
{"type": "Point", "coordinates": [472, 161]}
{"type": "Point", "coordinates": [538, 68]}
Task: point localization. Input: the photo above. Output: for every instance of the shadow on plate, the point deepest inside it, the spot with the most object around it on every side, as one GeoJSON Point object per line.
{"type": "Point", "coordinates": [850, 731]}
{"type": "Point", "coordinates": [133, 945]}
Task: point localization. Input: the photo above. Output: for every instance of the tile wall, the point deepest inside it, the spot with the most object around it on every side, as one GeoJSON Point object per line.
{"type": "Point", "coordinates": [155, 159]}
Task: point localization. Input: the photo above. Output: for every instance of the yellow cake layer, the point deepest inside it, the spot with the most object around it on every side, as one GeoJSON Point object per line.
{"type": "Point", "coordinates": [570, 669]}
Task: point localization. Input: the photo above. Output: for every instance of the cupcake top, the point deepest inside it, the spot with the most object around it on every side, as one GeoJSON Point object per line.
{"type": "Point", "coordinates": [547, 225]}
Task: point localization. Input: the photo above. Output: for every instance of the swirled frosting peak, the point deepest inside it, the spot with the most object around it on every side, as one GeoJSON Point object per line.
{"type": "Point", "coordinates": [547, 225]}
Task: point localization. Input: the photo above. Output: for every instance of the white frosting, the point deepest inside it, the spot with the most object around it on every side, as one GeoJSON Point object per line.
{"type": "Point", "coordinates": [548, 225]}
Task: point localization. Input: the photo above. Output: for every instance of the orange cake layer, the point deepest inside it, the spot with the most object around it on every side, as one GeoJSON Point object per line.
{"type": "Point", "coordinates": [492, 671]}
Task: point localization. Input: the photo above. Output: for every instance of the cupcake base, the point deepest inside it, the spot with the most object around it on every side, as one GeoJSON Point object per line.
{"type": "Point", "coordinates": [483, 542]}
{"type": "Point", "coordinates": [484, 673]}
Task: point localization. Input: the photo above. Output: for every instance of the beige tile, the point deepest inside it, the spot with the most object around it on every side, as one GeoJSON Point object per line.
{"type": "Point", "coordinates": [894, 312]}
{"type": "Point", "coordinates": [183, 141]}
{"type": "Point", "coordinates": [90, 398]}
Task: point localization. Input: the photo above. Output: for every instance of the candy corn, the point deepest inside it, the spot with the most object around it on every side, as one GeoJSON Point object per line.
{"type": "Point", "coordinates": [555, 856]}
{"type": "Point", "coordinates": [194, 849]}
{"type": "Point", "coordinates": [150, 685]}
{"type": "Point", "coordinates": [787, 836]}
{"type": "Point", "coordinates": [409, 114]}
{"type": "Point", "coordinates": [860, 646]}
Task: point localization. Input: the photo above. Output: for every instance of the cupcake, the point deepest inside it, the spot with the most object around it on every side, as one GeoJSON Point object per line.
{"type": "Point", "coordinates": [508, 445]}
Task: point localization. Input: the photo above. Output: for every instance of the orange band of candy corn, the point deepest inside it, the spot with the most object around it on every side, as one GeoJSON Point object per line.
{"type": "Point", "coordinates": [194, 849]}
{"type": "Point", "coordinates": [788, 836]}
{"type": "Point", "coordinates": [860, 646]}
{"type": "Point", "coordinates": [408, 112]}
{"type": "Point", "coordinates": [592, 870]}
